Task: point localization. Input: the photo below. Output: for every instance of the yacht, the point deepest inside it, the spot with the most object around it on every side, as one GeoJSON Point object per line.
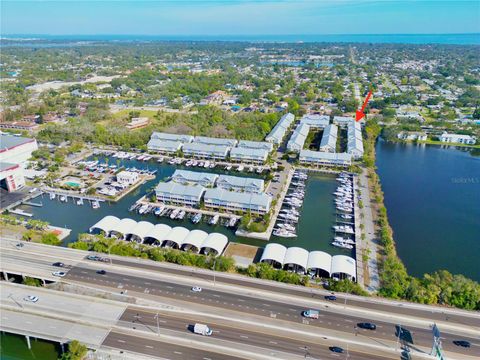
{"type": "Point", "coordinates": [251, 169]}
{"type": "Point", "coordinates": [212, 165]}
{"type": "Point", "coordinates": [286, 226]}
{"type": "Point", "coordinates": [80, 201]}
{"type": "Point", "coordinates": [342, 245]}
{"type": "Point", "coordinates": [214, 220]}
{"type": "Point", "coordinates": [181, 215]}
{"type": "Point", "coordinates": [52, 196]}
{"type": "Point", "coordinates": [343, 240]}
{"type": "Point", "coordinates": [240, 168]}
{"type": "Point", "coordinates": [95, 204]}
{"type": "Point", "coordinates": [158, 211]}
{"type": "Point", "coordinates": [206, 164]}
{"type": "Point", "coordinates": [228, 167]}
{"type": "Point", "coordinates": [344, 229]}
{"type": "Point", "coordinates": [63, 198]}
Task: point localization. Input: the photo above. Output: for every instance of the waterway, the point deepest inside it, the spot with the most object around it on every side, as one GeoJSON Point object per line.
{"type": "Point", "coordinates": [432, 195]}
{"type": "Point", "coordinates": [314, 230]}
{"type": "Point", "coordinates": [14, 347]}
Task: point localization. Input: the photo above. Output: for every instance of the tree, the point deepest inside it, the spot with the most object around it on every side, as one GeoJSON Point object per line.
{"type": "Point", "coordinates": [76, 351]}
{"type": "Point", "coordinates": [50, 239]}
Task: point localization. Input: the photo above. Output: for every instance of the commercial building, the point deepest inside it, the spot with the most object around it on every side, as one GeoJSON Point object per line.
{"type": "Point", "coordinates": [14, 152]}
{"type": "Point", "coordinates": [315, 121]}
{"type": "Point", "coordinates": [297, 140]}
{"type": "Point", "coordinates": [232, 201]}
{"type": "Point", "coordinates": [329, 139]}
{"type": "Point", "coordinates": [249, 155]}
{"type": "Point", "coordinates": [172, 137]}
{"type": "Point", "coordinates": [127, 177]}
{"type": "Point", "coordinates": [243, 184]}
{"type": "Point", "coordinates": [255, 145]}
{"type": "Point", "coordinates": [316, 263]}
{"type": "Point", "coordinates": [215, 141]}
{"type": "Point", "coordinates": [280, 129]}
{"type": "Point", "coordinates": [319, 158]}
{"type": "Point", "coordinates": [186, 177]}
{"type": "Point", "coordinates": [198, 150]}
{"type": "Point", "coordinates": [458, 138]}
{"type": "Point", "coordinates": [174, 193]}
{"type": "Point", "coordinates": [164, 146]}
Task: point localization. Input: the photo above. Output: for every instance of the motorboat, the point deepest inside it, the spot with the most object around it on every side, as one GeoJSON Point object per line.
{"type": "Point", "coordinates": [343, 240]}
{"type": "Point", "coordinates": [174, 213]}
{"type": "Point", "coordinates": [181, 215]}
{"type": "Point", "coordinates": [251, 169]}
{"type": "Point", "coordinates": [344, 229]}
{"type": "Point", "coordinates": [80, 201]}
{"type": "Point", "coordinates": [196, 218]}
{"type": "Point", "coordinates": [284, 233]}
{"type": "Point", "coordinates": [52, 196]}
{"type": "Point", "coordinates": [63, 198]}
{"type": "Point", "coordinates": [95, 204]}
{"type": "Point", "coordinates": [158, 211]}
{"type": "Point", "coordinates": [232, 222]}
{"type": "Point", "coordinates": [342, 245]}
{"type": "Point", "coordinates": [214, 220]}
{"type": "Point", "coordinates": [143, 209]}
{"type": "Point", "coordinates": [206, 164]}
{"type": "Point", "coordinates": [240, 168]}
{"type": "Point", "coordinates": [228, 167]}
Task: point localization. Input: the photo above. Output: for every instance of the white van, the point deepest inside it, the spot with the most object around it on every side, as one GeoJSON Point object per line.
{"type": "Point", "coordinates": [311, 314]}
{"type": "Point", "coordinates": [202, 329]}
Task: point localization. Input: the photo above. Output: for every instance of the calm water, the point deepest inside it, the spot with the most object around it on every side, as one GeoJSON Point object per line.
{"type": "Point", "coordinates": [14, 347]}
{"type": "Point", "coordinates": [460, 39]}
{"type": "Point", "coordinates": [315, 227]}
{"type": "Point", "coordinates": [432, 195]}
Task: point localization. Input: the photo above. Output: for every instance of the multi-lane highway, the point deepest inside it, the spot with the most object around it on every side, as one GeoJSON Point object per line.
{"type": "Point", "coordinates": [251, 303]}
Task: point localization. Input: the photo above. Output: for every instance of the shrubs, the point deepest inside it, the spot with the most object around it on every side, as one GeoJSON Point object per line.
{"type": "Point", "coordinates": [266, 271]}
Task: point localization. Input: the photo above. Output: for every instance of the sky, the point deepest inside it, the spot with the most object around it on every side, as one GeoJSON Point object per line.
{"type": "Point", "coordinates": [239, 17]}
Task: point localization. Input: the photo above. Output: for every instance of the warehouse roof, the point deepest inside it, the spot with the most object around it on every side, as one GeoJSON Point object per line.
{"type": "Point", "coordinates": [319, 260]}
{"type": "Point", "coordinates": [172, 137]}
{"type": "Point", "coordinates": [255, 145]}
{"type": "Point", "coordinates": [228, 181]}
{"type": "Point", "coordinates": [106, 224]}
{"type": "Point", "coordinates": [182, 176]}
{"type": "Point", "coordinates": [195, 238]}
{"type": "Point", "coordinates": [215, 141]}
{"type": "Point", "coordinates": [342, 264]}
{"type": "Point", "coordinates": [249, 153]}
{"type": "Point", "coordinates": [247, 199]}
{"type": "Point", "coordinates": [198, 148]}
{"type": "Point", "coordinates": [215, 241]}
{"type": "Point", "coordinates": [158, 232]}
{"type": "Point", "coordinates": [274, 252]}
{"type": "Point", "coordinates": [296, 256]}
{"type": "Point", "coordinates": [174, 188]}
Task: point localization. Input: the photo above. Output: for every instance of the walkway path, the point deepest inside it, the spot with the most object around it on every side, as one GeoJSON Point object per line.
{"type": "Point", "coordinates": [373, 283]}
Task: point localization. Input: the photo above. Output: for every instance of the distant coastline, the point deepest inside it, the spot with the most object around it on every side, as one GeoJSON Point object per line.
{"type": "Point", "coordinates": [447, 39]}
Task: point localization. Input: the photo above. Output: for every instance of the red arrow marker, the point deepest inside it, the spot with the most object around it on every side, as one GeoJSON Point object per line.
{"type": "Point", "coordinates": [359, 113]}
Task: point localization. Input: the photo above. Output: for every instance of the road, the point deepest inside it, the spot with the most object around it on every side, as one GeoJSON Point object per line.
{"type": "Point", "coordinates": [261, 307]}
{"type": "Point", "coordinates": [250, 299]}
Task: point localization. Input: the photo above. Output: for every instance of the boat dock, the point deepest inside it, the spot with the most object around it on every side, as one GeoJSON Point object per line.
{"type": "Point", "coordinates": [21, 213]}
{"type": "Point", "coordinates": [29, 203]}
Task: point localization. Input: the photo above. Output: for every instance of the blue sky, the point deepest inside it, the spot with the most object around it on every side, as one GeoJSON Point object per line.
{"type": "Point", "coordinates": [239, 17]}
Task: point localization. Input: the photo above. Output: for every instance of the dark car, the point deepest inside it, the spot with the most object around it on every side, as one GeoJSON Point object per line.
{"type": "Point", "coordinates": [58, 264]}
{"type": "Point", "coordinates": [330, 297]}
{"type": "Point", "coordinates": [336, 349]}
{"type": "Point", "coordinates": [462, 343]}
{"type": "Point", "coordinates": [367, 325]}
{"type": "Point", "coordinates": [101, 272]}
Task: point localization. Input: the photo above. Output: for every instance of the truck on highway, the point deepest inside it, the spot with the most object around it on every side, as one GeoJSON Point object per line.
{"type": "Point", "coordinates": [202, 329]}
{"type": "Point", "coordinates": [311, 314]}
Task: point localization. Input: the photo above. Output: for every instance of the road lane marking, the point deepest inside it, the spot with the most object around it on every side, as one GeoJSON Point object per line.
{"type": "Point", "coordinates": [273, 342]}
{"type": "Point", "coordinates": [149, 346]}
{"type": "Point", "coordinates": [121, 341]}
{"type": "Point", "coordinates": [178, 352]}
{"type": "Point", "coordinates": [244, 336]}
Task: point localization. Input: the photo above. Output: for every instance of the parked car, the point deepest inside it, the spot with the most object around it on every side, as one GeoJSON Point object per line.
{"type": "Point", "coordinates": [58, 264]}
{"type": "Point", "coordinates": [311, 314]}
{"type": "Point", "coordinates": [196, 289]}
{"type": "Point", "coordinates": [336, 349]}
{"type": "Point", "coordinates": [367, 325]}
{"type": "Point", "coordinates": [59, 273]}
{"type": "Point", "coordinates": [19, 245]}
{"type": "Point", "coordinates": [92, 257]}
{"type": "Point", "coordinates": [330, 297]}
{"type": "Point", "coordinates": [101, 272]}
{"type": "Point", "coordinates": [31, 298]}
{"type": "Point", "coordinates": [462, 343]}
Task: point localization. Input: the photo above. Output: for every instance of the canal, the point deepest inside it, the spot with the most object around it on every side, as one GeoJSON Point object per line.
{"type": "Point", "coordinates": [432, 195]}
{"type": "Point", "coordinates": [314, 228]}
{"type": "Point", "coordinates": [14, 347]}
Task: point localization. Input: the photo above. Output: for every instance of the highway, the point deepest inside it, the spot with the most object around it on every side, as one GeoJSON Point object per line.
{"type": "Point", "coordinates": [137, 318]}
{"type": "Point", "coordinates": [264, 308]}
{"type": "Point", "coordinates": [249, 300]}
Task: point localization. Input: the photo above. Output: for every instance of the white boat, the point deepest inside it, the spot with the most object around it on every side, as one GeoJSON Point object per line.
{"type": "Point", "coordinates": [143, 209]}
{"type": "Point", "coordinates": [174, 213]}
{"type": "Point", "coordinates": [52, 196]}
{"type": "Point", "coordinates": [196, 219]}
{"type": "Point", "coordinates": [251, 169]}
{"type": "Point", "coordinates": [159, 210]}
{"type": "Point", "coordinates": [228, 167]}
{"type": "Point", "coordinates": [214, 220]}
{"type": "Point", "coordinates": [181, 215]}
{"type": "Point", "coordinates": [160, 159]}
{"type": "Point", "coordinates": [212, 165]}
{"type": "Point", "coordinates": [286, 226]}
{"type": "Point", "coordinates": [206, 164]}
{"type": "Point", "coordinates": [232, 222]}
{"type": "Point", "coordinates": [342, 245]}
{"type": "Point", "coordinates": [284, 233]}
{"type": "Point", "coordinates": [240, 168]}
{"type": "Point", "coordinates": [141, 157]}
{"type": "Point", "coordinates": [343, 240]}
{"type": "Point", "coordinates": [63, 198]}
{"type": "Point", "coordinates": [95, 204]}
{"type": "Point", "coordinates": [344, 229]}
{"type": "Point", "coordinates": [80, 201]}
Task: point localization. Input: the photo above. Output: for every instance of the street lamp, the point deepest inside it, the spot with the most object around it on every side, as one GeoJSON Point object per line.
{"type": "Point", "coordinates": [158, 325]}
{"type": "Point", "coordinates": [214, 263]}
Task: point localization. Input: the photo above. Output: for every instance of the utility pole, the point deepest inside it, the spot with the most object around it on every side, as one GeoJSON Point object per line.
{"type": "Point", "coordinates": [214, 263]}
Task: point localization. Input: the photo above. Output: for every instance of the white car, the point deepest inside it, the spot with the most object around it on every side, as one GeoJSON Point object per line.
{"type": "Point", "coordinates": [59, 273]}
{"type": "Point", "coordinates": [31, 298]}
{"type": "Point", "coordinates": [196, 289]}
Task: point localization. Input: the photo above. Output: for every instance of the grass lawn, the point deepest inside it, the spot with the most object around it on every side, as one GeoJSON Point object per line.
{"type": "Point", "coordinates": [437, 142]}
{"type": "Point", "coordinates": [143, 113]}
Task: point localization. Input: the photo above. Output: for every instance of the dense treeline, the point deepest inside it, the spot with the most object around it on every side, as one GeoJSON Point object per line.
{"type": "Point", "coordinates": [440, 287]}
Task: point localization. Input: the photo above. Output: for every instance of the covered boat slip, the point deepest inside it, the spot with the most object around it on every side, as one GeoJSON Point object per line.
{"type": "Point", "coordinates": [317, 263]}
{"type": "Point", "coordinates": [162, 235]}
